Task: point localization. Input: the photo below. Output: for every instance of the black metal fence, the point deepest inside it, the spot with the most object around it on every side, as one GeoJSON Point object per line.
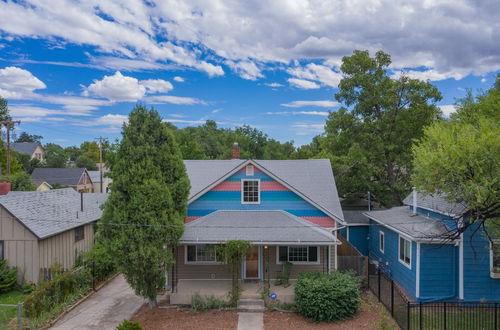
{"type": "Point", "coordinates": [438, 315]}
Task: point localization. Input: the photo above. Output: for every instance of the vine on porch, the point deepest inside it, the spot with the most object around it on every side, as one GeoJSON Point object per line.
{"type": "Point", "coordinates": [233, 252]}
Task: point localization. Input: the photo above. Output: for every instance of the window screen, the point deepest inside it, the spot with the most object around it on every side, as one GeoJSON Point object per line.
{"type": "Point", "coordinates": [250, 191]}
{"type": "Point", "coordinates": [405, 251]}
{"type": "Point", "coordinates": [79, 233]}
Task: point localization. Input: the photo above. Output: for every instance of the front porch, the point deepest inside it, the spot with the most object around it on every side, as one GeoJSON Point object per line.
{"type": "Point", "coordinates": [220, 289]}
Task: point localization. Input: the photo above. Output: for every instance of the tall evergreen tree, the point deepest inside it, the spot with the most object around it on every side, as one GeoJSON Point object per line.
{"type": "Point", "coordinates": [144, 214]}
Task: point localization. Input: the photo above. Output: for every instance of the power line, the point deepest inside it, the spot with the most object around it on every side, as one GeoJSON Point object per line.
{"type": "Point", "coordinates": [101, 165]}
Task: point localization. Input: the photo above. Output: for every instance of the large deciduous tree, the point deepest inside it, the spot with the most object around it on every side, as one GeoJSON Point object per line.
{"type": "Point", "coordinates": [144, 214]}
{"type": "Point", "coordinates": [369, 139]}
{"type": "Point", "coordinates": [460, 159]}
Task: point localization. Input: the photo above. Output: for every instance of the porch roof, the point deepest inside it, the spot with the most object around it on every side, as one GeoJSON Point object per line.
{"type": "Point", "coordinates": [257, 227]}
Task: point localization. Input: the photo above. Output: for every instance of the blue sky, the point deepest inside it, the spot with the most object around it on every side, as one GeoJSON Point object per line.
{"type": "Point", "coordinates": [72, 70]}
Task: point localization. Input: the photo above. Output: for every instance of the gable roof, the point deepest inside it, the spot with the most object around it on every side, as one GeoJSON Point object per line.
{"type": "Point", "coordinates": [402, 220]}
{"type": "Point", "coordinates": [436, 203]}
{"type": "Point", "coordinates": [311, 179]}
{"type": "Point", "coordinates": [25, 147]}
{"type": "Point", "coordinates": [256, 227]}
{"type": "Point", "coordinates": [62, 176]}
{"type": "Point", "coordinates": [355, 217]}
{"type": "Point", "coordinates": [46, 213]}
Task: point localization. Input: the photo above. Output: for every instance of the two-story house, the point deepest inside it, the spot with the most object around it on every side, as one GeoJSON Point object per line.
{"type": "Point", "coordinates": [287, 209]}
{"type": "Point", "coordinates": [34, 149]}
{"type": "Point", "coordinates": [411, 243]}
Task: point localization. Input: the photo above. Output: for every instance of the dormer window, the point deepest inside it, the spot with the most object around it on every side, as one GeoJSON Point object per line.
{"type": "Point", "coordinates": [249, 170]}
{"type": "Point", "coordinates": [250, 191]}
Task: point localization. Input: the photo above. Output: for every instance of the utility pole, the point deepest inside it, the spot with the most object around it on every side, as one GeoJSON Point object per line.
{"type": "Point", "coordinates": [9, 124]}
{"type": "Point", "coordinates": [100, 139]}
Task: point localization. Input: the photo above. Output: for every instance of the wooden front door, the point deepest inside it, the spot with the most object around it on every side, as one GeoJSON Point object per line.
{"type": "Point", "coordinates": [252, 263]}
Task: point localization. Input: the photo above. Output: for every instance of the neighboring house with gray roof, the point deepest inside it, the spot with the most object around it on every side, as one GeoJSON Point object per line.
{"type": "Point", "coordinates": [287, 209]}
{"type": "Point", "coordinates": [76, 178]}
{"type": "Point", "coordinates": [95, 177]}
{"type": "Point", "coordinates": [412, 244]}
{"type": "Point", "coordinates": [40, 228]}
{"type": "Point", "coordinates": [34, 149]}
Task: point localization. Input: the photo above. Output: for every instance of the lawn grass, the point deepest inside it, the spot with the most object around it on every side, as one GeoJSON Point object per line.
{"type": "Point", "coordinates": [8, 313]}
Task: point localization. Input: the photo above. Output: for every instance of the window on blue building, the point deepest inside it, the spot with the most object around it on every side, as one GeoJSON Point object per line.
{"type": "Point", "coordinates": [381, 242]}
{"type": "Point", "coordinates": [495, 256]}
{"type": "Point", "coordinates": [405, 251]}
{"type": "Point", "coordinates": [250, 192]}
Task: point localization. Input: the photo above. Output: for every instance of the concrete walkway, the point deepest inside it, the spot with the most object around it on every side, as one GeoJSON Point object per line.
{"type": "Point", "coordinates": [105, 309]}
{"type": "Point", "coordinates": [250, 321]}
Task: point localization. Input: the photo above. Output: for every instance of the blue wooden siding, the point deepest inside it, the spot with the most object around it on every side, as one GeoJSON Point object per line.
{"type": "Point", "coordinates": [270, 200]}
{"type": "Point", "coordinates": [478, 284]}
{"type": "Point", "coordinates": [389, 260]}
{"type": "Point", "coordinates": [358, 236]}
{"type": "Point", "coordinates": [438, 272]}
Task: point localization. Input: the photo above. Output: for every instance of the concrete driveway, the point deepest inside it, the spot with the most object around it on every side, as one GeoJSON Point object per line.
{"type": "Point", "coordinates": [105, 309]}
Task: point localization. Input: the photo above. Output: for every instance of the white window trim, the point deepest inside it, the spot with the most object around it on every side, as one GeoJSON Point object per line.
{"type": "Point", "coordinates": [242, 185]}
{"type": "Point", "coordinates": [198, 262]}
{"type": "Point", "coordinates": [399, 251]}
{"type": "Point", "coordinates": [493, 274]}
{"type": "Point", "coordinates": [250, 170]}
{"type": "Point", "coordinates": [381, 238]}
{"type": "Point", "coordinates": [318, 248]}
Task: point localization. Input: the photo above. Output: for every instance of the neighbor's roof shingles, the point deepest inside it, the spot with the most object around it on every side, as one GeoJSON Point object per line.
{"type": "Point", "coordinates": [436, 203]}
{"type": "Point", "coordinates": [46, 213]}
{"type": "Point", "coordinates": [62, 176]}
{"type": "Point", "coordinates": [25, 147]}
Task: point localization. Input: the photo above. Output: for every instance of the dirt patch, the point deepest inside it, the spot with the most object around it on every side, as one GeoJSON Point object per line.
{"type": "Point", "coordinates": [371, 315]}
{"type": "Point", "coordinates": [159, 318]}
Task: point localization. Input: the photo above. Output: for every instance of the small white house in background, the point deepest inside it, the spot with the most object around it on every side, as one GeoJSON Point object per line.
{"type": "Point", "coordinates": [34, 149]}
{"type": "Point", "coordinates": [40, 228]}
{"type": "Point", "coordinates": [95, 176]}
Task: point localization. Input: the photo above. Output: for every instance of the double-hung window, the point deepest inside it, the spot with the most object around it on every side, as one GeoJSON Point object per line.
{"type": "Point", "coordinates": [495, 258]}
{"type": "Point", "coordinates": [250, 191]}
{"type": "Point", "coordinates": [405, 251]}
{"type": "Point", "coordinates": [381, 241]}
{"type": "Point", "coordinates": [201, 253]}
{"type": "Point", "coordinates": [298, 254]}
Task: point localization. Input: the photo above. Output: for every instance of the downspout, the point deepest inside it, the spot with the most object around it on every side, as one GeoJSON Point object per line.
{"type": "Point", "coordinates": [414, 193]}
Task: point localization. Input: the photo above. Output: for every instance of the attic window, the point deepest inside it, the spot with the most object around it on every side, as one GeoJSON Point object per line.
{"type": "Point", "coordinates": [250, 192]}
{"type": "Point", "coordinates": [249, 170]}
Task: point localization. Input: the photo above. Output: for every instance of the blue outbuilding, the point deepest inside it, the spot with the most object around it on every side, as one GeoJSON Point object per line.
{"type": "Point", "coordinates": [412, 244]}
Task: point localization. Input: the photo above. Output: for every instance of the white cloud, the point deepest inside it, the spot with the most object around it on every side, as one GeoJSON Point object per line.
{"type": "Point", "coordinates": [159, 99]}
{"type": "Point", "coordinates": [216, 110]}
{"type": "Point", "coordinates": [274, 85]}
{"type": "Point", "coordinates": [157, 85]}
{"type": "Point", "coordinates": [179, 79]}
{"type": "Point", "coordinates": [246, 69]}
{"type": "Point", "coordinates": [431, 75]}
{"type": "Point", "coordinates": [17, 83]}
{"type": "Point", "coordinates": [183, 121]}
{"type": "Point", "coordinates": [319, 103]}
{"type": "Point", "coordinates": [303, 84]}
{"type": "Point", "coordinates": [448, 109]}
{"type": "Point", "coordinates": [310, 113]}
{"type": "Point", "coordinates": [323, 74]}
{"type": "Point", "coordinates": [484, 80]}
{"type": "Point", "coordinates": [118, 88]}
{"type": "Point", "coordinates": [308, 129]}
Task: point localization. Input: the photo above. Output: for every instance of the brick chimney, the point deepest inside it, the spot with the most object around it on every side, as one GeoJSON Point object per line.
{"type": "Point", "coordinates": [4, 188]}
{"type": "Point", "coordinates": [235, 151]}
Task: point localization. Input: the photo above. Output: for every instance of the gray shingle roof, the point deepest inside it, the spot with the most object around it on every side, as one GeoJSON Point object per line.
{"type": "Point", "coordinates": [46, 213]}
{"type": "Point", "coordinates": [95, 176]}
{"type": "Point", "coordinates": [355, 217]}
{"type": "Point", "coordinates": [435, 203]}
{"type": "Point", "coordinates": [62, 176]}
{"type": "Point", "coordinates": [313, 178]}
{"type": "Point", "coordinates": [25, 147]}
{"type": "Point", "coordinates": [255, 226]}
{"type": "Point", "coordinates": [416, 226]}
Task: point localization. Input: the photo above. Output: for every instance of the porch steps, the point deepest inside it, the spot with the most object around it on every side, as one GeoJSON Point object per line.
{"type": "Point", "coordinates": [251, 305]}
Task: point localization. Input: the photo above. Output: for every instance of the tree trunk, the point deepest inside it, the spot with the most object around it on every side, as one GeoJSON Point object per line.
{"type": "Point", "coordinates": [152, 303]}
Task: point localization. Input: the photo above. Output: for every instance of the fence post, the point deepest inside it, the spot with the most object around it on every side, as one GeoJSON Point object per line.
{"type": "Point", "coordinates": [20, 316]}
{"type": "Point", "coordinates": [93, 275]}
{"type": "Point", "coordinates": [392, 297]}
{"type": "Point", "coordinates": [496, 316]}
{"type": "Point", "coordinates": [444, 311]}
{"type": "Point", "coordinates": [378, 289]}
{"type": "Point", "coordinates": [421, 322]}
{"type": "Point", "coordinates": [408, 315]}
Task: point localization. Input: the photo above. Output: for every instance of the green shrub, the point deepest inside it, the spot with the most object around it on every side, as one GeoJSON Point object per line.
{"type": "Point", "coordinates": [327, 297]}
{"type": "Point", "coordinates": [203, 303]}
{"type": "Point", "coordinates": [8, 276]}
{"type": "Point", "coordinates": [127, 325]}
{"type": "Point", "coordinates": [28, 288]}
{"type": "Point", "coordinates": [55, 291]}
{"type": "Point", "coordinates": [101, 262]}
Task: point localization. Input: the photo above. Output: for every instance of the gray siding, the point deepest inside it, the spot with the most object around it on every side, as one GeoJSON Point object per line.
{"type": "Point", "coordinates": [199, 271]}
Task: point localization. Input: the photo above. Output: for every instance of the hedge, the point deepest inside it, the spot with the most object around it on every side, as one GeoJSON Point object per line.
{"type": "Point", "coordinates": [327, 297]}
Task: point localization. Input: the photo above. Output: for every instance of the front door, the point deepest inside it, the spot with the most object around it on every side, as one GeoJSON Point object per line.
{"type": "Point", "coordinates": [252, 263]}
